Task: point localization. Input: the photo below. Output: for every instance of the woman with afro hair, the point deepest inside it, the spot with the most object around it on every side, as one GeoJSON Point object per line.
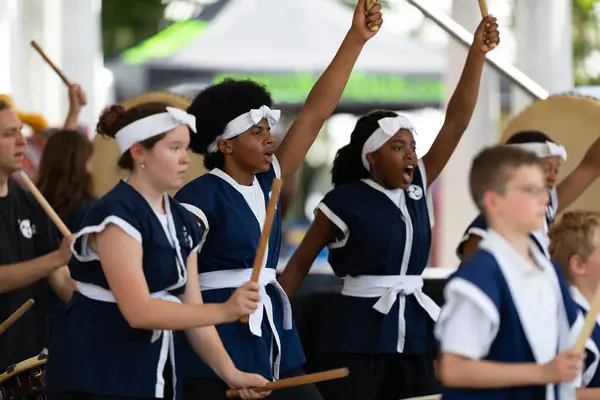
{"type": "Point", "coordinates": [234, 120]}
{"type": "Point", "coordinates": [377, 223]}
{"type": "Point", "coordinates": [560, 196]}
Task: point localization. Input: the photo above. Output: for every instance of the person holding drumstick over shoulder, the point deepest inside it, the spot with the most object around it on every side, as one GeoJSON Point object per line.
{"type": "Point", "coordinates": [32, 260]}
{"type": "Point", "coordinates": [132, 258]}
{"type": "Point", "coordinates": [377, 224]}
{"type": "Point", "coordinates": [575, 246]}
{"type": "Point", "coordinates": [508, 325]}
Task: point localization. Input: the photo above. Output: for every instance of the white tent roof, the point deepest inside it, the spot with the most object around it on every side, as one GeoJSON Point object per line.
{"type": "Point", "coordinates": [296, 35]}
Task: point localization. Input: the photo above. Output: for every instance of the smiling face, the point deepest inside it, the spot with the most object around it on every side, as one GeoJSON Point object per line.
{"type": "Point", "coordinates": [394, 164]}
{"type": "Point", "coordinates": [12, 142]}
{"type": "Point", "coordinates": [253, 150]}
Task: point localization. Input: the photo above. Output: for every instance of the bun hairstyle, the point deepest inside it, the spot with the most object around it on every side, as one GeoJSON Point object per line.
{"type": "Point", "coordinates": [218, 104]}
{"type": "Point", "coordinates": [529, 137]}
{"type": "Point", "coordinates": [347, 165]}
{"type": "Point", "coordinates": [117, 117]}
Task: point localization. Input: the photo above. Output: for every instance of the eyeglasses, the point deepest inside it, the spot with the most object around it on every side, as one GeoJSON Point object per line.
{"type": "Point", "coordinates": [530, 190]}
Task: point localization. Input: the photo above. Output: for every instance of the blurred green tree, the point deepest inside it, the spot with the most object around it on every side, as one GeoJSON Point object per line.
{"type": "Point", "coordinates": [127, 23]}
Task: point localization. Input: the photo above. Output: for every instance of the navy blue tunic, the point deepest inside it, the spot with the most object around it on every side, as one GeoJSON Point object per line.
{"type": "Point", "coordinates": [94, 349]}
{"type": "Point", "coordinates": [56, 306]}
{"type": "Point", "coordinates": [478, 228]}
{"type": "Point", "coordinates": [591, 372]}
{"type": "Point", "coordinates": [230, 244]}
{"type": "Point", "coordinates": [510, 344]}
{"type": "Point", "coordinates": [378, 241]}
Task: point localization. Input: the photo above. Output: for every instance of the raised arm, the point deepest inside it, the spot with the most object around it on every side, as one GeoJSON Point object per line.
{"type": "Point", "coordinates": [19, 275]}
{"type": "Point", "coordinates": [321, 232]}
{"type": "Point", "coordinates": [207, 343]}
{"type": "Point", "coordinates": [121, 258]}
{"type": "Point", "coordinates": [580, 178]}
{"type": "Point", "coordinates": [77, 100]}
{"type": "Point", "coordinates": [325, 95]}
{"type": "Point", "coordinates": [462, 103]}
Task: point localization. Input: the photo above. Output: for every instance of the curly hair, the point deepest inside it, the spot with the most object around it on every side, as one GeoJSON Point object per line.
{"type": "Point", "coordinates": [218, 104]}
{"type": "Point", "coordinates": [347, 165]}
{"type": "Point", "coordinates": [117, 117]}
{"type": "Point", "coordinates": [575, 234]}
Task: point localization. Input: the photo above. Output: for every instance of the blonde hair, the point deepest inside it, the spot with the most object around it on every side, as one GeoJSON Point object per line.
{"type": "Point", "coordinates": [574, 235]}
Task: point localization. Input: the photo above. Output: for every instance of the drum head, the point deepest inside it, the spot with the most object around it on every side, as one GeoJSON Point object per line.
{"type": "Point", "coordinates": [570, 120]}
{"type": "Point", "coordinates": [26, 365]}
{"type": "Point", "coordinates": [105, 171]}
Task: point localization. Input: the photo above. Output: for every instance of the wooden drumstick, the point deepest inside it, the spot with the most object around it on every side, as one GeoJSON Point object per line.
{"type": "Point", "coordinates": [50, 63]}
{"type": "Point", "coordinates": [45, 205]}
{"type": "Point", "coordinates": [266, 233]}
{"type": "Point", "coordinates": [296, 381]}
{"type": "Point", "coordinates": [16, 315]}
{"type": "Point", "coordinates": [483, 8]}
{"type": "Point", "coordinates": [589, 323]}
{"type": "Point", "coordinates": [430, 397]}
{"type": "Point", "coordinates": [371, 3]}
{"type": "Point", "coordinates": [484, 13]}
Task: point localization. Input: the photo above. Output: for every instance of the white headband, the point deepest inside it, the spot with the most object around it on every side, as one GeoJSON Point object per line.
{"type": "Point", "coordinates": [388, 127]}
{"type": "Point", "coordinates": [242, 123]}
{"type": "Point", "coordinates": [547, 149]}
{"type": "Point", "coordinates": [153, 125]}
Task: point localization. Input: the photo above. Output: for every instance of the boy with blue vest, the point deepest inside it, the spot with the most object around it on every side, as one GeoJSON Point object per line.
{"type": "Point", "coordinates": [509, 324]}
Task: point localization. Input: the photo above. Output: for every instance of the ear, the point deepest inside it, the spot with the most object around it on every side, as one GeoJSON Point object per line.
{"type": "Point", "coordinates": [371, 159]}
{"type": "Point", "coordinates": [137, 153]}
{"type": "Point", "coordinates": [577, 265]}
{"type": "Point", "coordinates": [489, 201]}
{"type": "Point", "coordinates": [225, 146]}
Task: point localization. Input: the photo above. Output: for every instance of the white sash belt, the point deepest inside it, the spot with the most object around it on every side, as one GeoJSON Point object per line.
{"type": "Point", "coordinates": [229, 279]}
{"type": "Point", "coordinates": [387, 288]}
{"type": "Point", "coordinates": [167, 347]}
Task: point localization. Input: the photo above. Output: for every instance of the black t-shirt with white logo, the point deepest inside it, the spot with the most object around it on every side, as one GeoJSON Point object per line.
{"type": "Point", "coordinates": [26, 233]}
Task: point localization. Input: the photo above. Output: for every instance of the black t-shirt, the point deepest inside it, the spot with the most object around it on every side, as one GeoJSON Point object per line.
{"type": "Point", "coordinates": [26, 233]}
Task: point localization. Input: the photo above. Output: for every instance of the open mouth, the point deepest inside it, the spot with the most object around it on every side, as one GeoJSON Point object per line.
{"type": "Point", "coordinates": [408, 173]}
{"type": "Point", "coordinates": [269, 157]}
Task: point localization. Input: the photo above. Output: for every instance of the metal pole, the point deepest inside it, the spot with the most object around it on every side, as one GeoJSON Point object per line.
{"type": "Point", "coordinates": [463, 36]}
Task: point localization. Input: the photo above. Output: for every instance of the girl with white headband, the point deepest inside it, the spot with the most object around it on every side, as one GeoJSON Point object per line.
{"type": "Point", "coordinates": [561, 196]}
{"type": "Point", "coordinates": [376, 223]}
{"type": "Point", "coordinates": [234, 120]}
{"type": "Point", "coordinates": [131, 260]}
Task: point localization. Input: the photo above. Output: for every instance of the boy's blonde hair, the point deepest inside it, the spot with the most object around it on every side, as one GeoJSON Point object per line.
{"type": "Point", "coordinates": [575, 234]}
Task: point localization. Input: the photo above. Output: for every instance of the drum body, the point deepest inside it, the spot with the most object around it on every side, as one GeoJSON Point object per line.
{"type": "Point", "coordinates": [25, 380]}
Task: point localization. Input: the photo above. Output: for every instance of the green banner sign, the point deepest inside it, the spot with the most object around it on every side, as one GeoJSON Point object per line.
{"type": "Point", "coordinates": [361, 88]}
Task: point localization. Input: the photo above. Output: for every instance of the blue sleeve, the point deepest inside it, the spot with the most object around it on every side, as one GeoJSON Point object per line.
{"type": "Point", "coordinates": [483, 272]}
{"type": "Point", "coordinates": [193, 198]}
{"type": "Point", "coordinates": [108, 210]}
{"type": "Point", "coordinates": [333, 207]}
{"type": "Point", "coordinates": [478, 227]}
